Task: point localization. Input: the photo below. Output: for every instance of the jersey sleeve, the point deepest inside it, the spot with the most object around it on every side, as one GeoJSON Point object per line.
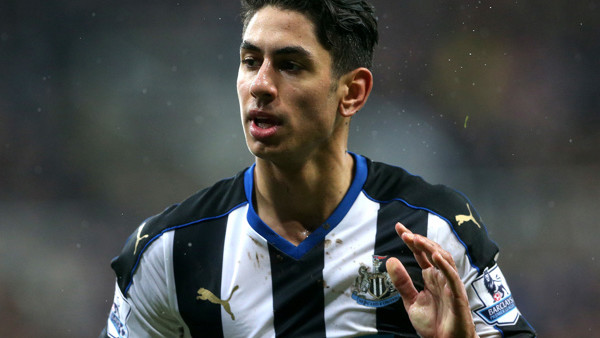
{"type": "Point", "coordinates": [493, 308]}
{"type": "Point", "coordinates": [147, 305]}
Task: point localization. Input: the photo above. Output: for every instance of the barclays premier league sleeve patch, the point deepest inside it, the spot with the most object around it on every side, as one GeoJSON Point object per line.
{"type": "Point", "coordinates": [499, 305]}
{"type": "Point", "coordinates": [117, 320]}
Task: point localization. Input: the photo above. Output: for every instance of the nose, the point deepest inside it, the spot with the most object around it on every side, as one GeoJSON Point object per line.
{"type": "Point", "coordinates": [263, 85]}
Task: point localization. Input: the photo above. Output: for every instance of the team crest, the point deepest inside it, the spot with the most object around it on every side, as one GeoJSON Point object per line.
{"type": "Point", "coordinates": [374, 288]}
{"type": "Point", "coordinates": [499, 305]}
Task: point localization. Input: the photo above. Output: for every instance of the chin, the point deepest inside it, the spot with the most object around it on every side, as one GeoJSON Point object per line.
{"type": "Point", "coordinates": [268, 154]}
{"type": "Point", "coordinates": [259, 149]}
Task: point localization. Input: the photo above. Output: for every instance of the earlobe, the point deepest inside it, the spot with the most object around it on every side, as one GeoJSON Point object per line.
{"type": "Point", "coordinates": [358, 84]}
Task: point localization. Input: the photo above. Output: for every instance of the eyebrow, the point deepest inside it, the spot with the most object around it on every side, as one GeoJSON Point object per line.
{"type": "Point", "coordinates": [288, 50]}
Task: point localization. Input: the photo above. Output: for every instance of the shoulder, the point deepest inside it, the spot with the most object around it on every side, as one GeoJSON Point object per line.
{"type": "Point", "coordinates": [387, 184]}
{"type": "Point", "coordinates": [210, 203]}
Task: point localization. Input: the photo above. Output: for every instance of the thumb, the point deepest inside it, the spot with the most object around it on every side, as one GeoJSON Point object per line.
{"type": "Point", "coordinates": [401, 280]}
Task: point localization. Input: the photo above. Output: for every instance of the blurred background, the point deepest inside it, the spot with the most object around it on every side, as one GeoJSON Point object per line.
{"type": "Point", "coordinates": [111, 111]}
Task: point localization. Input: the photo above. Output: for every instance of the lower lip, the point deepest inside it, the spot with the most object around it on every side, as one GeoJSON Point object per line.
{"type": "Point", "coordinates": [262, 133]}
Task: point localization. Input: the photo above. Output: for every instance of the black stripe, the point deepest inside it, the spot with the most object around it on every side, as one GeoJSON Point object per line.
{"type": "Point", "coordinates": [197, 262]}
{"type": "Point", "coordinates": [298, 296]}
{"type": "Point", "coordinates": [393, 318]}
{"type": "Point", "coordinates": [521, 328]}
{"type": "Point", "coordinates": [387, 183]}
{"type": "Point", "coordinates": [211, 202]}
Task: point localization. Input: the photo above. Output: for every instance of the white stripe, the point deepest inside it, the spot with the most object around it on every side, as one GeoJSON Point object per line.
{"type": "Point", "coordinates": [440, 232]}
{"type": "Point", "coordinates": [154, 309]}
{"type": "Point", "coordinates": [246, 264]}
{"type": "Point", "coordinates": [347, 247]}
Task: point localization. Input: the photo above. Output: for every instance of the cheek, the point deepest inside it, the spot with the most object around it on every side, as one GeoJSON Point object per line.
{"type": "Point", "coordinates": [242, 85]}
{"type": "Point", "coordinates": [317, 100]}
{"type": "Point", "coordinates": [242, 99]}
{"type": "Point", "coordinates": [319, 112]}
{"type": "Point", "coordinates": [240, 88]}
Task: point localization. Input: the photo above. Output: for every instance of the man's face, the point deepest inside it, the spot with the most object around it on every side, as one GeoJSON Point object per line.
{"type": "Point", "coordinates": [288, 101]}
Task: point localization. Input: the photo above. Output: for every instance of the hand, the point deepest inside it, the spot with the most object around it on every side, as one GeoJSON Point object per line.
{"type": "Point", "coordinates": [442, 308]}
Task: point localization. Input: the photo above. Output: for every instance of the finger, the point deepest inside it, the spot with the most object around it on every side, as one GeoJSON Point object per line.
{"type": "Point", "coordinates": [414, 244]}
{"type": "Point", "coordinates": [402, 281]}
{"type": "Point", "coordinates": [458, 301]}
{"type": "Point", "coordinates": [404, 233]}
{"type": "Point", "coordinates": [430, 279]}
{"type": "Point", "coordinates": [449, 271]}
{"type": "Point", "coordinates": [422, 247]}
{"type": "Point", "coordinates": [409, 239]}
{"type": "Point", "coordinates": [422, 259]}
{"type": "Point", "coordinates": [400, 229]}
{"type": "Point", "coordinates": [429, 248]}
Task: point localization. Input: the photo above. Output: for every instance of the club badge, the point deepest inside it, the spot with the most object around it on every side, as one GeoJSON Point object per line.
{"type": "Point", "coordinates": [374, 288]}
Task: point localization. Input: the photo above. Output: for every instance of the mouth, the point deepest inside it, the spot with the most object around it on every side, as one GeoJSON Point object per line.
{"type": "Point", "coordinates": [263, 125]}
{"type": "Point", "coordinates": [265, 122]}
{"type": "Point", "coordinates": [262, 119]}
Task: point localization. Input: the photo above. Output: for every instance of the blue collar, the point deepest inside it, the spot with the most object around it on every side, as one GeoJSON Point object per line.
{"type": "Point", "coordinates": [317, 236]}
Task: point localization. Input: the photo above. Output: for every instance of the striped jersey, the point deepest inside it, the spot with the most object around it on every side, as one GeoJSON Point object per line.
{"type": "Point", "coordinates": [210, 267]}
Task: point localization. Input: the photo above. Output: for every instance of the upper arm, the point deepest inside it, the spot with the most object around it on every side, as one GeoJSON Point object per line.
{"type": "Point", "coordinates": [149, 307]}
{"type": "Point", "coordinates": [493, 309]}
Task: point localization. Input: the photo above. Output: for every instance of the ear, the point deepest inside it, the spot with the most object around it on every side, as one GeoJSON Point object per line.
{"type": "Point", "coordinates": [356, 86]}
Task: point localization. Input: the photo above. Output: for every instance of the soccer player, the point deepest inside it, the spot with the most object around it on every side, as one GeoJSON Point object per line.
{"type": "Point", "coordinates": [312, 240]}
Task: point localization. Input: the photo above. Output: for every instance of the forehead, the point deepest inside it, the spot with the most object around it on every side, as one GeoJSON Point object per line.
{"type": "Point", "coordinates": [278, 28]}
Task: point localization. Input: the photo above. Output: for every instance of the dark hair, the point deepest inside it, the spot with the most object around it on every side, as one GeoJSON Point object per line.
{"type": "Point", "coordinates": [346, 28]}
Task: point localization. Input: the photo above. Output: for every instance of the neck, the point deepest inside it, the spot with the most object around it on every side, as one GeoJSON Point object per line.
{"type": "Point", "coordinates": [296, 200]}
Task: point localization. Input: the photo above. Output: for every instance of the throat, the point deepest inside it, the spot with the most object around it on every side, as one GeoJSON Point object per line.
{"type": "Point", "coordinates": [291, 231]}
{"type": "Point", "coordinates": [296, 203]}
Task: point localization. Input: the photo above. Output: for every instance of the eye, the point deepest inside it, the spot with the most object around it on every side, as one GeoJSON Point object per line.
{"type": "Point", "coordinates": [290, 66]}
{"type": "Point", "coordinates": [250, 62]}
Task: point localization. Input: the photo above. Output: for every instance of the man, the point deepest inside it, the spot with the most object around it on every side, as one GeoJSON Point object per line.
{"type": "Point", "coordinates": [312, 240]}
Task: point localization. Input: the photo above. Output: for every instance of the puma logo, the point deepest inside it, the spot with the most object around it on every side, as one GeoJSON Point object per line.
{"type": "Point", "coordinates": [209, 296]}
{"type": "Point", "coordinates": [138, 238]}
{"type": "Point", "coordinates": [465, 218]}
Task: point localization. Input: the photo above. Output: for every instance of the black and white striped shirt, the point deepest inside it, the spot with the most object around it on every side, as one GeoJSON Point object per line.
{"type": "Point", "coordinates": [209, 267]}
